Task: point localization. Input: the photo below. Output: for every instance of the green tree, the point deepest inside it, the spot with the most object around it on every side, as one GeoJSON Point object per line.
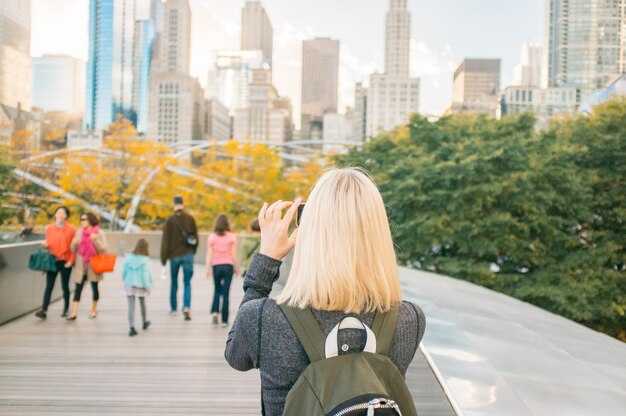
{"type": "Point", "coordinates": [497, 204]}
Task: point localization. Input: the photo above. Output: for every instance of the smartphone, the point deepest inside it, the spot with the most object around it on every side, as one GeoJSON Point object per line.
{"type": "Point", "coordinates": [299, 214]}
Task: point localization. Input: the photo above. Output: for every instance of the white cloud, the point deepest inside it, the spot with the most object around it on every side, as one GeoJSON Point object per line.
{"type": "Point", "coordinates": [426, 62]}
{"type": "Point", "coordinates": [351, 71]}
{"type": "Point", "coordinates": [435, 68]}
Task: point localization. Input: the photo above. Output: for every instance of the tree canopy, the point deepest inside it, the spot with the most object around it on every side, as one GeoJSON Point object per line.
{"type": "Point", "coordinates": [539, 216]}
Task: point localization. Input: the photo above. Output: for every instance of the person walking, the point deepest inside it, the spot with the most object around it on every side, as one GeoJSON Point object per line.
{"type": "Point", "coordinates": [344, 264]}
{"type": "Point", "coordinates": [137, 283]}
{"type": "Point", "coordinates": [221, 261]}
{"type": "Point", "coordinates": [88, 242]}
{"type": "Point", "coordinates": [179, 245]}
{"type": "Point", "coordinates": [59, 236]}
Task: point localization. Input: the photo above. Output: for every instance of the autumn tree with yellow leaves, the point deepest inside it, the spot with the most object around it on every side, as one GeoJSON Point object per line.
{"type": "Point", "coordinates": [234, 178]}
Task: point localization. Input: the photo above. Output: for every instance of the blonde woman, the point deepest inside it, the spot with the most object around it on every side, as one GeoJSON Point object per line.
{"type": "Point", "coordinates": [344, 264]}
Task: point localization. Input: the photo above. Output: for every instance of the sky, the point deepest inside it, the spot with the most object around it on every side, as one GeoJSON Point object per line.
{"type": "Point", "coordinates": [443, 32]}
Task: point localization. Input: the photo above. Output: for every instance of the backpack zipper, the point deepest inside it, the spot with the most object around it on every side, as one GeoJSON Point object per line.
{"type": "Point", "coordinates": [370, 406]}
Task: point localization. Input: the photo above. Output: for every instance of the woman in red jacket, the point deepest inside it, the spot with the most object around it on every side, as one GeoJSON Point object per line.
{"type": "Point", "coordinates": [59, 237]}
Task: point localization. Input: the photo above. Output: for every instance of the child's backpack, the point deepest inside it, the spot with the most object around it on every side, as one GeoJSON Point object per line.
{"type": "Point", "coordinates": [366, 383]}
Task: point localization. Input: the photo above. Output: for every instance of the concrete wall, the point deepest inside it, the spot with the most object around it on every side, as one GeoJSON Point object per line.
{"type": "Point", "coordinates": [21, 289]}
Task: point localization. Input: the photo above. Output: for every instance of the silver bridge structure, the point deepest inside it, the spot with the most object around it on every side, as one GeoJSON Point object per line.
{"type": "Point", "coordinates": [302, 151]}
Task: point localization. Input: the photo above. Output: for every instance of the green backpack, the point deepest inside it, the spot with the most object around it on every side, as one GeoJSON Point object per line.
{"type": "Point", "coordinates": [366, 383]}
{"type": "Point", "coordinates": [42, 260]}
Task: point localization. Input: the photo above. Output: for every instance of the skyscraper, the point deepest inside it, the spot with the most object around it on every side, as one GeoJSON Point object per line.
{"type": "Point", "coordinates": [58, 84]}
{"type": "Point", "coordinates": [585, 44]}
{"type": "Point", "coordinates": [393, 95]}
{"type": "Point", "coordinates": [256, 29]}
{"type": "Point", "coordinates": [175, 42]}
{"type": "Point", "coordinates": [528, 72]}
{"type": "Point", "coordinates": [156, 14]}
{"type": "Point", "coordinates": [150, 9]}
{"type": "Point", "coordinates": [99, 83]}
{"type": "Point", "coordinates": [320, 81]}
{"type": "Point", "coordinates": [123, 55]}
{"type": "Point", "coordinates": [476, 87]}
{"type": "Point", "coordinates": [397, 38]}
{"type": "Point", "coordinates": [216, 121]}
{"type": "Point", "coordinates": [148, 24]}
{"type": "Point", "coordinates": [359, 114]}
{"type": "Point", "coordinates": [145, 32]}
{"type": "Point", "coordinates": [268, 117]}
{"type": "Point", "coordinates": [15, 53]}
{"type": "Point", "coordinates": [176, 99]}
{"type": "Point", "coordinates": [229, 79]}
{"type": "Point", "coordinates": [116, 46]}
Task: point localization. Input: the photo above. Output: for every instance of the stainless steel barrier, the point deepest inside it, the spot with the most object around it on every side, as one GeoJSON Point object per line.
{"type": "Point", "coordinates": [21, 289]}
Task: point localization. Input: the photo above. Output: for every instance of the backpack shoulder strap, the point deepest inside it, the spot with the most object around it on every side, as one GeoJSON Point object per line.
{"type": "Point", "coordinates": [180, 226]}
{"type": "Point", "coordinates": [384, 327]}
{"type": "Point", "coordinates": [308, 331]}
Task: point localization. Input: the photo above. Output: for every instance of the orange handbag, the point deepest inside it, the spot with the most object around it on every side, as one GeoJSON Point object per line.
{"type": "Point", "coordinates": [102, 263]}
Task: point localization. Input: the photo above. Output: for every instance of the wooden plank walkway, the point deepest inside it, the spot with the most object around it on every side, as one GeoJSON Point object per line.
{"type": "Point", "coordinates": [92, 367]}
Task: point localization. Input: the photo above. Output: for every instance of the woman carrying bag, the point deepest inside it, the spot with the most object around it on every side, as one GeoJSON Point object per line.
{"type": "Point", "coordinates": [59, 236]}
{"type": "Point", "coordinates": [88, 243]}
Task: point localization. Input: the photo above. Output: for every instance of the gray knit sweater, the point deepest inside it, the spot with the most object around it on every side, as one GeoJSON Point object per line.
{"type": "Point", "coordinates": [262, 338]}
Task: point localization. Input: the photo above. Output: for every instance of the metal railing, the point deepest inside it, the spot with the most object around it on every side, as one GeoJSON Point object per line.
{"type": "Point", "coordinates": [21, 289]}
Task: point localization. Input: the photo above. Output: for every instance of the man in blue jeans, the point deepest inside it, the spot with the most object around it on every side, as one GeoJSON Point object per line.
{"type": "Point", "coordinates": [179, 245]}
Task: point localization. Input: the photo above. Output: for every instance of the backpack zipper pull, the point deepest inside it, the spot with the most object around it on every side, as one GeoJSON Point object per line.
{"type": "Point", "coordinates": [371, 405]}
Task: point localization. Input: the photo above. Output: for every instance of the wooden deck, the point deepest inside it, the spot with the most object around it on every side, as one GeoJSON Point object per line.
{"type": "Point", "coordinates": [92, 367]}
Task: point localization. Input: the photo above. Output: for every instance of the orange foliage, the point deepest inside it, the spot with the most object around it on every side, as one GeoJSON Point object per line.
{"type": "Point", "coordinates": [235, 178]}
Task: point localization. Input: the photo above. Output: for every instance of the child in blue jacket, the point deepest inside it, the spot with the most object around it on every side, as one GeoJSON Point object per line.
{"type": "Point", "coordinates": [137, 283]}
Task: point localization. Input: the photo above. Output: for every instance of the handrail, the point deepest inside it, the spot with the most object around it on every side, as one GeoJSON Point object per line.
{"type": "Point", "coordinates": [26, 243]}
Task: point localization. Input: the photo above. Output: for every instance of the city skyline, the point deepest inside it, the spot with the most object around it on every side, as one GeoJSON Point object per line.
{"type": "Point", "coordinates": [436, 48]}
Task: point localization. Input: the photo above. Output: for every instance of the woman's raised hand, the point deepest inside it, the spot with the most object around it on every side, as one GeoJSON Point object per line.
{"type": "Point", "coordinates": [275, 239]}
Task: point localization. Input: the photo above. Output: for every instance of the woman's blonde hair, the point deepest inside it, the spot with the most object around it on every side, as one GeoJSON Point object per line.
{"type": "Point", "coordinates": [344, 258]}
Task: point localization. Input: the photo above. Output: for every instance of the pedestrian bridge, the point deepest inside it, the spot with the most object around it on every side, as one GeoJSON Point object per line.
{"type": "Point", "coordinates": [483, 353]}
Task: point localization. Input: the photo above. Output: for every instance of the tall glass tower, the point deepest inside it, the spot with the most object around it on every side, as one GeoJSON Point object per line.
{"type": "Point", "coordinates": [123, 54]}
{"type": "Point", "coordinates": [121, 34]}
{"type": "Point", "coordinates": [99, 85]}
{"type": "Point", "coordinates": [15, 63]}
{"type": "Point", "coordinates": [145, 32]}
{"type": "Point", "coordinates": [585, 45]}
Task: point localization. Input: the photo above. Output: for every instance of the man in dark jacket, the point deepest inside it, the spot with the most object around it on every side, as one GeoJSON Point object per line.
{"type": "Point", "coordinates": [178, 245]}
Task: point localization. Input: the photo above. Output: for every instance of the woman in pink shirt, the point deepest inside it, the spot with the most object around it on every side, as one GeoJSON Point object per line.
{"type": "Point", "coordinates": [221, 260]}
